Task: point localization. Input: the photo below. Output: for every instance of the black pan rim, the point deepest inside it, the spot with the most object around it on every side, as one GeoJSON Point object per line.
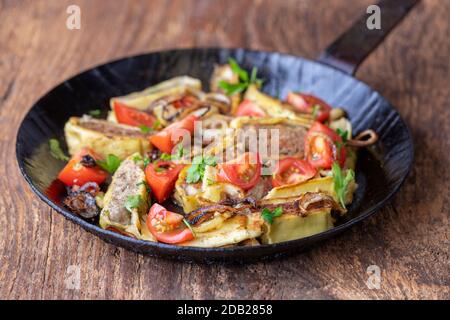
{"type": "Point", "coordinates": [97, 230]}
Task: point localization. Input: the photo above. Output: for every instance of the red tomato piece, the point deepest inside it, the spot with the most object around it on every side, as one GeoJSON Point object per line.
{"type": "Point", "coordinates": [323, 146]}
{"type": "Point", "coordinates": [243, 172]}
{"type": "Point", "coordinates": [292, 170]}
{"type": "Point", "coordinates": [161, 177]}
{"type": "Point", "coordinates": [250, 109]}
{"type": "Point", "coordinates": [167, 226]}
{"type": "Point", "coordinates": [131, 116]}
{"type": "Point", "coordinates": [166, 139]}
{"type": "Point", "coordinates": [74, 173]}
{"type": "Point", "coordinates": [306, 103]}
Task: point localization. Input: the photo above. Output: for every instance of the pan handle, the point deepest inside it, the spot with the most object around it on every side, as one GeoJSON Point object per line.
{"type": "Point", "coordinates": [348, 51]}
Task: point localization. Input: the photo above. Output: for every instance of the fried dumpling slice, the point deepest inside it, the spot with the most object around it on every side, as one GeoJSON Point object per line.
{"type": "Point", "coordinates": [323, 185]}
{"type": "Point", "coordinates": [192, 196]}
{"type": "Point", "coordinates": [141, 100]}
{"type": "Point", "coordinates": [271, 106]}
{"type": "Point", "coordinates": [104, 137]}
{"type": "Point", "coordinates": [292, 226]}
{"type": "Point", "coordinates": [302, 216]}
{"type": "Point", "coordinates": [127, 189]}
{"type": "Point", "coordinates": [231, 231]}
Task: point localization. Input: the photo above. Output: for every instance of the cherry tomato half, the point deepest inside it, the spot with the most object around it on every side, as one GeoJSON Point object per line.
{"type": "Point", "coordinates": [166, 139]}
{"type": "Point", "coordinates": [323, 146]}
{"type": "Point", "coordinates": [131, 116]}
{"type": "Point", "coordinates": [306, 103]}
{"type": "Point", "coordinates": [249, 108]}
{"type": "Point", "coordinates": [161, 177]}
{"type": "Point", "coordinates": [243, 172]}
{"type": "Point", "coordinates": [292, 170]}
{"type": "Point", "coordinates": [167, 226]}
{"type": "Point", "coordinates": [75, 173]}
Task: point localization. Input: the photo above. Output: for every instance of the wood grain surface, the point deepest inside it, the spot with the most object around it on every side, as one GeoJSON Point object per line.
{"type": "Point", "coordinates": [409, 239]}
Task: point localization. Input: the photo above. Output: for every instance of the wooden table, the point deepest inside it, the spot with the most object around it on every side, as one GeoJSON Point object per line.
{"type": "Point", "coordinates": [40, 251]}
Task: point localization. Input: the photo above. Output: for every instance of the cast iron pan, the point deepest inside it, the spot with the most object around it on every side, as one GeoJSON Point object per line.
{"type": "Point", "coordinates": [380, 172]}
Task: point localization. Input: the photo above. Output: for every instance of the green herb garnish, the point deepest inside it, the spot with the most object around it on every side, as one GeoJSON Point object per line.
{"type": "Point", "coordinates": [145, 129]}
{"type": "Point", "coordinates": [315, 110]}
{"type": "Point", "coordinates": [340, 182]}
{"type": "Point", "coordinates": [110, 164]}
{"type": "Point", "coordinates": [168, 157]}
{"type": "Point", "coordinates": [156, 125]}
{"type": "Point", "coordinates": [343, 134]}
{"type": "Point", "coordinates": [180, 151]}
{"type": "Point", "coordinates": [147, 187]}
{"type": "Point", "coordinates": [146, 161]}
{"type": "Point", "coordinates": [189, 226]}
{"type": "Point", "coordinates": [244, 79]}
{"type": "Point", "coordinates": [133, 202]}
{"type": "Point", "coordinates": [165, 157]}
{"type": "Point", "coordinates": [137, 158]}
{"type": "Point", "coordinates": [196, 171]}
{"type": "Point", "coordinates": [56, 151]}
{"type": "Point", "coordinates": [270, 215]}
{"type": "Point", "coordinates": [95, 113]}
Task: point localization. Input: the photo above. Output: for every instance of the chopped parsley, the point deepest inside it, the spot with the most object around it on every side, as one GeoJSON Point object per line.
{"type": "Point", "coordinates": [156, 125]}
{"type": "Point", "coordinates": [110, 164]}
{"type": "Point", "coordinates": [343, 134]}
{"type": "Point", "coordinates": [165, 157]}
{"type": "Point", "coordinates": [133, 202]}
{"type": "Point", "coordinates": [146, 161]}
{"type": "Point", "coordinates": [315, 110]}
{"type": "Point", "coordinates": [196, 171]}
{"type": "Point", "coordinates": [270, 215]}
{"type": "Point", "coordinates": [56, 151]}
{"type": "Point", "coordinates": [179, 154]}
{"type": "Point", "coordinates": [340, 182]}
{"type": "Point", "coordinates": [145, 184]}
{"type": "Point", "coordinates": [95, 113]}
{"type": "Point", "coordinates": [180, 151]}
{"type": "Point", "coordinates": [145, 129]}
{"type": "Point", "coordinates": [189, 226]}
{"type": "Point", "coordinates": [137, 158]}
{"type": "Point", "coordinates": [244, 79]}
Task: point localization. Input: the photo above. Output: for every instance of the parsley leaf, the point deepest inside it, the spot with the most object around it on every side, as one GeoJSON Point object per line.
{"type": "Point", "coordinates": [95, 113]}
{"type": "Point", "coordinates": [168, 157]}
{"type": "Point", "coordinates": [343, 134]}
{"type": "Point", "coordinates": [147, 187]}
{"type": "Point", "coordinates": [145, 129]}
{"type": "Point", "coordinates": [244, 79]}
{"type": "Point", "coordinates": [315, 110]}
{"type": "Point", "coordinates": [56, 151]}
{"type": "Point", "coordinates": [180, 151]}
{"type": "Point", "coordinates": [146, 161]}
{"type": "Point", "coordinates": [133, 202]}
{"type": "Point", "coordinates": [270, 215]}
{"type": "Point", "coordinates": [196, 171]}
{"type": "Point", "coordinates": [165, 157]}
{"type": "Point", "coordinates": [156, 125]}
{"type": "Point", "coordinates": [137, 158]}
{"type": "Point", "coordinates": [232, 88]}
{"type": "Point", "coordinates": [111, 163]}
{"type": "Point", "coordinates": [189, 226]}
{"type": "Point", "coordinates": [243, 75]}
{"type": "Point", "coordinates": [340, 182]}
